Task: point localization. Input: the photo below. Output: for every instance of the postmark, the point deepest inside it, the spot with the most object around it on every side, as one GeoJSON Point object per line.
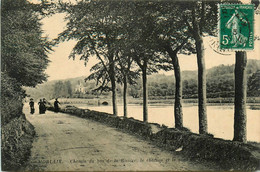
{"type": "Point", "coordinates": [236, 27]}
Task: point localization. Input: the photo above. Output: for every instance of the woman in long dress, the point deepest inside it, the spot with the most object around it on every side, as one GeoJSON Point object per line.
{"type": "Point", "coordinates": [56, 105]}
{"type": "Point", "coordinates": [31, 106]}
{"type": "Point", "coordinates": [41, 107]}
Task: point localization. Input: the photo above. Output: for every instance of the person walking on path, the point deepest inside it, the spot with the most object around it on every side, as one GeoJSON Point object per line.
{"type": "Point", "coordinates": [31, 103]}
{"type": "Point", "coordinates": [41, 107]}
{"type": "Point", "coordinates": [56, 105]}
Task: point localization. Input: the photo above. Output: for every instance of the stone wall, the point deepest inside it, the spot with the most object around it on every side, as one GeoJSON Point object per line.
{"type": "Point", "coordinates": [227, 154]}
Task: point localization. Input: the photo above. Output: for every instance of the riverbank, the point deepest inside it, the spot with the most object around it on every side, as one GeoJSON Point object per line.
{"type": "Point", "coordinates": [17, 137]}
{"type": "Point", "coordinates": [227, 154]}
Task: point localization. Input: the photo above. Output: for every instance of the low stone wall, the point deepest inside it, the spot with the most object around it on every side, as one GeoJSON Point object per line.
{"type": "Point", "coordinates": [227, 154]}
{"type": "Point", "coordinates": [16, 138]}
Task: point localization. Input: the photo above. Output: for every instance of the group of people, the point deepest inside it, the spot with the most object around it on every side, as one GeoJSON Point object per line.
{"type": "Point", "coordinates": [42, 106]}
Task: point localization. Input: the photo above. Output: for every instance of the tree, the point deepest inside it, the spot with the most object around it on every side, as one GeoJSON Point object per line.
{"type": "Point", "coordinates": [178, 85]}
{"type": "Point", "coordinates": [62, 89]}
{"type": "Point", "coordinates": [23, 61]}
{"type": "Point", "coordinates": [144, 60]}
{"type": "Point", "coordinates": [123, 75]}
{"type": "Point", "coordinates": [69, 88]}
{"type": "Point", "coordinates": [173, 38]}
{"type": "Point", "coordinates": [126, 76]}
{"type": "Point", "coordinates": [57, 91]}
{"type": "Point", "coordinates": [254, 84]}
{"type": "Point", "coordinates": [240, 97]}
{"type": "Point", "coordinates": [134, 91]}
{"type": "Point", "coordinates": [24, 50]}
{"type": "Point", "coordinates": [124, 71]}
{"type": "Point", "coordinates": [195, 14]}
{"type": "Point", "coordinates": [96, 27]}
{"type": "Point", "coordinates": [140, 41]}
{"type": "Point", "coordinates": [240, 94]}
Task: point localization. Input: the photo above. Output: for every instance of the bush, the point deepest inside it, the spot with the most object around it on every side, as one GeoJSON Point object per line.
{"type": "Point", "coordinates": [11, 99]}
{"type": "Point", "coordinates": [17, 132]}
{"type": "Point", "coordinates": [17, 137]}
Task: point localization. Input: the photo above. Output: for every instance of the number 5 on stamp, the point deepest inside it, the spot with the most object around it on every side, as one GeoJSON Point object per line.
{"type": "Point", "coordinates": [236, 26]}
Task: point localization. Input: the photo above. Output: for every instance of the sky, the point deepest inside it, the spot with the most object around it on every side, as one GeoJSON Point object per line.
{"type": "Point", "coordinates": [61, 67]}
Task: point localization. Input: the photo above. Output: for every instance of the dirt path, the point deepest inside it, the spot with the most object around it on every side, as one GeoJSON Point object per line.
{"type": "Point", "coordinates": [70, 143]}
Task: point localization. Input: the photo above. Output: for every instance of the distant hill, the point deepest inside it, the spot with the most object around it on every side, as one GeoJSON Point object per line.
{"type": "Point", "coordinates": [220, 83]}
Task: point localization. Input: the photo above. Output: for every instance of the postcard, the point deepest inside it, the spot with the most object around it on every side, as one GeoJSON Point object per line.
{"type": "Point", "coordinates": [105, 85]}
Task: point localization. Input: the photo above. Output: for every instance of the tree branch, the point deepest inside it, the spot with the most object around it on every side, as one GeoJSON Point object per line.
{"type": "Point", "coordinates": [93, 47]}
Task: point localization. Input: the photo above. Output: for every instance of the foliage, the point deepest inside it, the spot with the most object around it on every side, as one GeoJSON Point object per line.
{"type": "Point", "coordinates": [24, 50]}
{"type": "Point", "coordinates": [96, 25]}
{"type": "Point", "coordinates": [62, 89]}
{"type": "Point", "coordinates": [16, 143]}
{"type": "Point", "coordinates": [11, 99]}
{"type": "Point", "coordinates": [254, 84]}
{"type": "Point", "coordinates": [24, 53]}
{"type": "Point", "coordinates": [92, 25]}
{"type": "Point", "coordinates": [23, 61]}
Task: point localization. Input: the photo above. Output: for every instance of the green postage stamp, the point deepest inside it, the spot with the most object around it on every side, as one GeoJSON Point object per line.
{"type": "Point", "coordinates": [236, 26]}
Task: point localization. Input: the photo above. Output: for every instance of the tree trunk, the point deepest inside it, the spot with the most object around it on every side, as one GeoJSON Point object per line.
{"type": "Point", "coordinates": [145, 93]}
{"type": "Point", "coordinates": [240, 97]}
{"type": "Point", "coordinates": [178, 115]}
{"type": "Point", "coordinates": [178, 94]}
{"type": "Point", "coordinates": [203, 124]}
{"type": "Point", "coordinates": [125, 96]}
{"type": "Point", "coordinates": [113, 84]}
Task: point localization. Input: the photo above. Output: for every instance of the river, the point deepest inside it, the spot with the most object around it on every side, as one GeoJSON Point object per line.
{"type": "Point", "coordinates": [220, 118]}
